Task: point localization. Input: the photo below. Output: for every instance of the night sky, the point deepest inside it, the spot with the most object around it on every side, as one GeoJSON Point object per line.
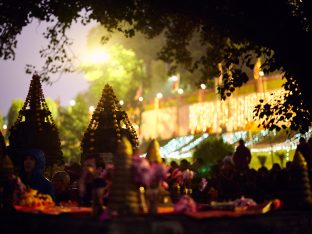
{"type": "Point", "coordinates": [14, 82]}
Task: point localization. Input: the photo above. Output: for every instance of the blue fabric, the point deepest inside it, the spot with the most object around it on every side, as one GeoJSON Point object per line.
{"type": "Point", "coordinates": [37, 180]}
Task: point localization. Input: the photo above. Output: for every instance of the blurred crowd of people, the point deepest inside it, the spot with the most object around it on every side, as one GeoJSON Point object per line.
{"type": "Point", "coordinates": [229, 179]}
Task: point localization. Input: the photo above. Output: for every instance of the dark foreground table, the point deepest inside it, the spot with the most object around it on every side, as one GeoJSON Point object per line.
{"type": "Point", "coordinates": [278, 223]}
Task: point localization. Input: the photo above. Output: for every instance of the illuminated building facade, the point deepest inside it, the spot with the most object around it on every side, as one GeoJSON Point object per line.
{"type": "Point", "coordinates": [203, 111]}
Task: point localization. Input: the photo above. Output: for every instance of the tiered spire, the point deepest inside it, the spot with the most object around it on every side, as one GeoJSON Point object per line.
{"type": "Point", "coordinates": [35, 108]}
{"type": "Point", "coordinates": [124, 195]}
{"type": "Point", "coordinates": [153, 152]}
{"type": "Point", "coordinates": [35, 127]}
{"type": "Point", "coordinates": [299, 195]}
{"type": "Point", "coordinates": [107, 126]}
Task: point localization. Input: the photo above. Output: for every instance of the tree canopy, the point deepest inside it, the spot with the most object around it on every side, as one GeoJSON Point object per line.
{"type": "Point", "coordinates": [1, 121]}
{"type": "Point", "coordinates": [72, 122]}
{"type": "Point", "coordinates": [117, 66]}
{"type": "Point", "coordinates": [15, 107]}
{"type": "Point", "coordinates": [229, 33]}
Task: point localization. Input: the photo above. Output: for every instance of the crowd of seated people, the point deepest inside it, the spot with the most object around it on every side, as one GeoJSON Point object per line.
{"type": "Point", "coordinates": [229, 179]}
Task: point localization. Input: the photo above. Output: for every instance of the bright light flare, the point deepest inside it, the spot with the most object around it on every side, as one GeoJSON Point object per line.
{"type": "Point", "coordinates": [141, 99]}
{"type": "Point", "coordinates": [180, 91]}
{"type": "Point", "coordinates": [121, 102]}
{"type": "Point", "coordinates": [99, 56]}
{"type": "Point", "coordinates": [5, 126]}
{"type": "Point", "coordinates": [91, 109]}
{"type": "Point", "coordinates": [72, 102]}
{"type": "Point", "coordinates": [159, 95]}
{"type": "Point", "coordinates": [173, 78]}
{"type": "Point", "coordinates": [203, 86]}
{"type": "Point", "coordinates": [261, 73]}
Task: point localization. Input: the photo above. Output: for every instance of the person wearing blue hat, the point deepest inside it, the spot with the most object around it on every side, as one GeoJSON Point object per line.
{"type": "Point", "coordinates": [32, 171]}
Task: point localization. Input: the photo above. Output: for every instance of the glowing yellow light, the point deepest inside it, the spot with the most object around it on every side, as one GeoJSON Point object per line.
{"type": "Point", "coordinates": [72, 102]}
{"type": "Point", "coordinates": [5, 126]}
{"type": "Point", "coordinates": [235, 114]}
{"type": "Point", "coordinates": [99, 56]}
{"type": "Point", "coordinates": [261, 73]}
{"type": "Point", "coordinates": [91, 109]}
{"type": "Point", "coordinates": [203, 86]}
{"type": "Point", "coordinates": [121, 102]}
{"type": "Point", "coordinates": [159, 95]}
{"type": "Point", "coordinates": [173, 78]}
{"type": "Point", "coordinates": [180, 91]}
{"type": "Point", "coordinates": [141, 99]}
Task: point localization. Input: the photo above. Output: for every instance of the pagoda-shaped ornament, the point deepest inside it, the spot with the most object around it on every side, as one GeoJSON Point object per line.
{"type": "Point", "coordinates": [2, 145]}
{"type": "Point", "coordinates": [106, 128]}
{"type": "Point", "coordinates": [153, 152]}
{"type": "Point", "coordinates": [299, 195]}
{"type": "Point", "coordinates": [35, 128]}
{"type": "Point", "coordinates": [124, 194]}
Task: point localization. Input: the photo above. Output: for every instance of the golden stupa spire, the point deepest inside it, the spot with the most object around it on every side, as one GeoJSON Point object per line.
{"type": "Point", "coordinates": [107, 126]}
{"type": "Point", "coordinates": [153, 152]}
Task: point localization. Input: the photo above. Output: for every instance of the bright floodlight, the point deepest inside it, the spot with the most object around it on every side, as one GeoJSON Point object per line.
{"type": "Point", "coordinates": [159, 95]}
{"type": "Point", "coordinates": [261, 73]}
{"type": "Point", "coordinates": [203, 86]}
{"type": "Point", "coordinates": [121, 102]}
{"type": "Point", "coordinates": [72, 102]}
{"type": "Point", "coordinates": [141, 99]}
{"type": "Point", "coordinates": [91, 108]}
{"type": "Point", "coordinates": [5, 126]}
{"type": "Point", "coordinates": [97, 57]}
{"type": "Point", "coordinates": [180, 91]}
{"type": "Point", "coordinates": [174, 78]}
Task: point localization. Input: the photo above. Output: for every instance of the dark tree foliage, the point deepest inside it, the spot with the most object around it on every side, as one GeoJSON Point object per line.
{"type": "Point", "coordinates": [229, 32]}
{"type": "Point", "coordinates": [212, 150]}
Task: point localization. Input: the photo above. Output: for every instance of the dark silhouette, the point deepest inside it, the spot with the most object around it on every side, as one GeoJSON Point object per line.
{"type": "Point", "coordinates": [304, 148]}
{"type": "Point", "coordinates": [61, 188]}
{"type": "Point", "coordinates": [242, 156]}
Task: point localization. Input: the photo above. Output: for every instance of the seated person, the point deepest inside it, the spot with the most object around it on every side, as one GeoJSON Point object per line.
{"type": "Point", "coordinates": [92, 178]}
{"type": "Point", "coordinates": [201, 192]}
{"type": "Point", "coordinates": [62, 192]}
{"type": "Point", "coordinates": [32, 171]}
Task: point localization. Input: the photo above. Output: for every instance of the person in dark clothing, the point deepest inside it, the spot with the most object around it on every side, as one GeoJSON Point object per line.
{"type": "Point", "coordinates": [92, 178]}
{"type": "Point", "coordinates": [32, 172]}
{"type": "Point", "coordinates": [63, 193]}
{"type": "Point", "coordinates": [201, 192]}
{"type": "Point", "coordinates": [242, 156]}
{"type": "Point", "coordinates": [304, 148]}
{"type": "Point", "coordinates": [310, 142]}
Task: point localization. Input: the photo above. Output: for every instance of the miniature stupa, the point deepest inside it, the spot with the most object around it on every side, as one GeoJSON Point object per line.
{"type": "Point", "coordinates": [153, 152]}
{"type": "Point", "coordinates": [124, 195]}
{"type": "Point", "coordinates": [35, 128]}
{"type": "Point", "coordinates": [299, 194]}
{"type": "Point", "coordinates": [107, 126]}
{"type": "Point", "coordinates": [2, 145]}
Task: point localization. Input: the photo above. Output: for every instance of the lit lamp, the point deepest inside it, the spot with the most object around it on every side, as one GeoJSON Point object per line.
{"type": "Point", "coordinates": [159, 95]}
{"type": "Point", "coordinates": [140, 113]}
{"type": "Point", "coordinates": [91, 110]}
{"type": "Point", "coordinates": [201, 92]}
{"type": "Point", "coordinates": [99, 56]}
{"type": "Point", "coordinates": [261, 79]}
{"type": "Point", "coordinates": [72, 102]}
